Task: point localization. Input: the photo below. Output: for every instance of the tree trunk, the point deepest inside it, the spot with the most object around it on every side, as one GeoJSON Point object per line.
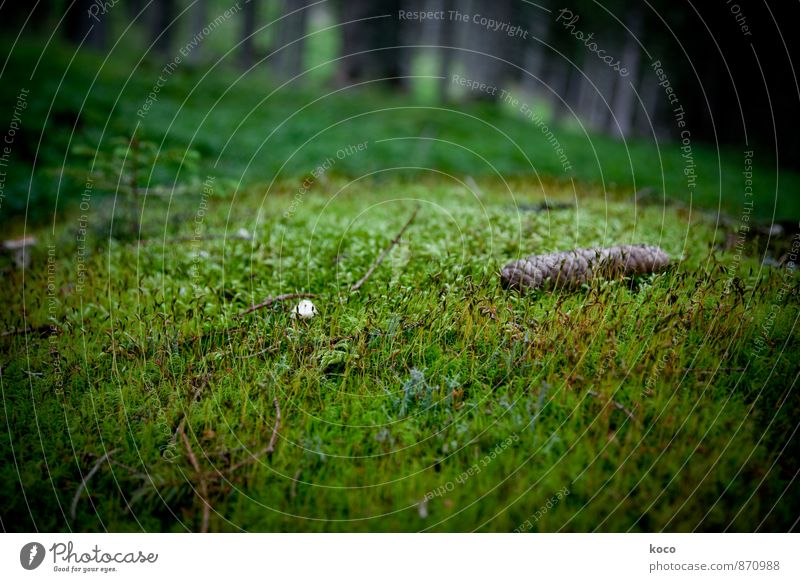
{"type": "Point", "coordinates": [79, 24]}
{"type": "Point", "coordinates": [134, 8]}
{"type": "Point", "coordinates": [568, 88]}
{"type": "Point", "coordinates": [648, 120]}
{"type": "Point", "coordinates": [488, 47]}
{"type": "Point", "coordinates": [163, 27]}
{"type": "Point", "coordinates": [432, 36]}
{"type": "Point", "coordinates": [199, 21]}
{"type": "Point", "coordinates": [289, 61]}
{"type": "Point", "coordinates": [445, 38]}
{"type": "Point", "coordinates": [355, 39]}
{"type": "Point", "coordinates": [586, 92]}
{"type": "Point", "coordinates": [36, 14]}
{"type": "Point", "coordinates": [534, 61]}
{"type": "Point", "coordinates": [366, 41]}
{"type": "Point", "coordinates": [624, 102]}
{"type": "Point", "coordinates": [247, 56]}
{"type": "Point", "coordinates": [604, 78]}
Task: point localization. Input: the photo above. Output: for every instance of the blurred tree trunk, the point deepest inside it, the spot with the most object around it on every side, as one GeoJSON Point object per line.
{"type": "Point", "coordinates": [13, 17]}
{"type": "Point", "coordinates": [355, 38]}
{"type": "Point", "coordinates": [604, 78]}
{"type": "Point", "coordinates": [434, 35]}
{"type": "Point", "coordinates": [534, 61]}
{"type": "Point", "coordinates": [556, 80]}
{"type": "Point", "coordinates": [292, 29]}
{"type": "Point", "coordinates": [199, 21]}
{"type": "Point", "coordinates": [593, 88]}
{"type": "Point", "coordinates": [624, 102]}
{"type": "Point", "coordinates": [647, 119]}
{"type": "Point", "coordinates": [247, 56]}
{"type": "Point", "coordinates": [446, 55]}
{"type": "Point", "coordinates": [487, 47]}
{"type": "Point", "coordinates": [373, 28]}
{"type": "Point", "coordinates": [557, 67]}
{"type": "Point", "coordinates": [567, 84]}
{"type": "Point", "coordinates": [586, 91]}
{"type": "Point", "coordinates": [162, 27]}
{"type": "Point", "coordinates": [394, 64]}
{"type": "Point", "coordinates": [78, 24]}
{"type": "Point", "coordinates": [134, 8]}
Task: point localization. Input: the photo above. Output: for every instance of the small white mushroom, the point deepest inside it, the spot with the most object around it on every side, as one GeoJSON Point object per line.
{"type": "Point", "coordinates": [422, 508]}
{"type": "Point", "coordinates": [18, 249]}
{"type": "Point", "coordinates": [304, 310]}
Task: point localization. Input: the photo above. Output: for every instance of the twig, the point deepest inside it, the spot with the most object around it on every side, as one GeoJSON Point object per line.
{"type": "Point", "coordinates": [132, 471]}
{"type": "Point", "coordinates": [200, 476]}
{"type": "Point", "coordinates": [16, 331]}
{"type": "Point", "coordinates": [374, 332]}
{"type": "Point", "coordinates": [616, 405]}
{"type": "Point", "coordinates": [474, 186]}
{"type": "Point", "coordinates": [40, 329]}
{"type": "Point", "coordinates": [713, 371]}
{"type": "Point", "coordinates": [270, 300]}
{"type": "Point", "coordinates": [73, 510]}
{"type": "Point", "coordinates": [265, 351]}
{"type": "Point", "coordinates": [293, 488]}
{"type": "Point", "coordinates": [270, 448]}
{"type": "Point", "coordinates": [274, 438]}
{"type": "Point", "coordinates": [357, 285]}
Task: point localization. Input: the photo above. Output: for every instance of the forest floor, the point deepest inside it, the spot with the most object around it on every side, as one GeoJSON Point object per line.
{"type": "Point", "coordinates": [429, 399]}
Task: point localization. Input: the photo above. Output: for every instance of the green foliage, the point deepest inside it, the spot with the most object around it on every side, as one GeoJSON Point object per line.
{"type": "Point", "coordinates": [131, 171]}
{"type": "Point", "coordinates": [135, 167]}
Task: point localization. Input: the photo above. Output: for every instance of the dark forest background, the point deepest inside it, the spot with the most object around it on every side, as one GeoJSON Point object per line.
{"type": "Point", "coordinates": [92, 65]}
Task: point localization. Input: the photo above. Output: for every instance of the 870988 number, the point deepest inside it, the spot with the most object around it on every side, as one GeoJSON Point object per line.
{"type": "Point", "coordinates": [758, 565]}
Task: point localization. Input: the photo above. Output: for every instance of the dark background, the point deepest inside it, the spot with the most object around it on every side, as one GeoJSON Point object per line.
{"type": "Point", "coordinates": [738, 87]}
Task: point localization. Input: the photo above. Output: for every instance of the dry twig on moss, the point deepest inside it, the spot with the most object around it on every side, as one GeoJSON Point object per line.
{"type": "Point", "coordinates": [357, 285]}
{"type": "Point", "coordinates": [278, 298]}
{"type": "Point", "coordinates": [270, 448]}
{"type": "Point", "coordinates": [201, 477]}
{"type": "Point", "coordinates": [570, 269]}
{"type": "Point", "coordinates": [615, 404]}
{"type": "Point", "coordinates": [73, 510]}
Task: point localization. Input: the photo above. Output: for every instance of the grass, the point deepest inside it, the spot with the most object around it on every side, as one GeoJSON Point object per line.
{"type": "Point", "coordinates": [431, 399]}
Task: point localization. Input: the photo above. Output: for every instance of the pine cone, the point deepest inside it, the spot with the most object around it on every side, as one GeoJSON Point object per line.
{"type": "Point", "coordinates": [570, 269]}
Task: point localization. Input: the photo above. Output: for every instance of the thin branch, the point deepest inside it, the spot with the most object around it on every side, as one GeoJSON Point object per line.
{"type": "Point", "coordinates": [270, 300]}
{"type": "Point", "coordinates": [357, 285]}
{"type": "Point", "coordinates": [73, 510]}
{"type": "Point", "coordinates": [201, 477]}
{"type": "Point", "coordinates": [274, 438]}
{"type": "Point", "coordinates": [372, 332]}
{"type": "Point", "coordinates": [40, 329]}
{"type": "Point", "coordinates": [627, 412]}
{"type": "Point", "coordinates": [270, 448]}
{"type": "Point", "coordinates": [293, 488]}
{"type": "Point", "coordinates": [474, 186]}
{"type": "Point", "coordinates": [713, 370]}
{"type": "Point", "coordinates": [132, 471]}
{"type": "Point", "coordinates": [16, 331]}
{"type": "Point", "coordinates": [616, 405]}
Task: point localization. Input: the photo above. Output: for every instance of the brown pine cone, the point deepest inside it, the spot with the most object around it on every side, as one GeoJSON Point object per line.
{"type": "Point", "coordinates": [570, 269]}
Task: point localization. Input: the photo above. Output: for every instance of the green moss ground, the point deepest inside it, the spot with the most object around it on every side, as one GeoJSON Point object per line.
{"type": "Point", "coordinates": [665, 402]}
